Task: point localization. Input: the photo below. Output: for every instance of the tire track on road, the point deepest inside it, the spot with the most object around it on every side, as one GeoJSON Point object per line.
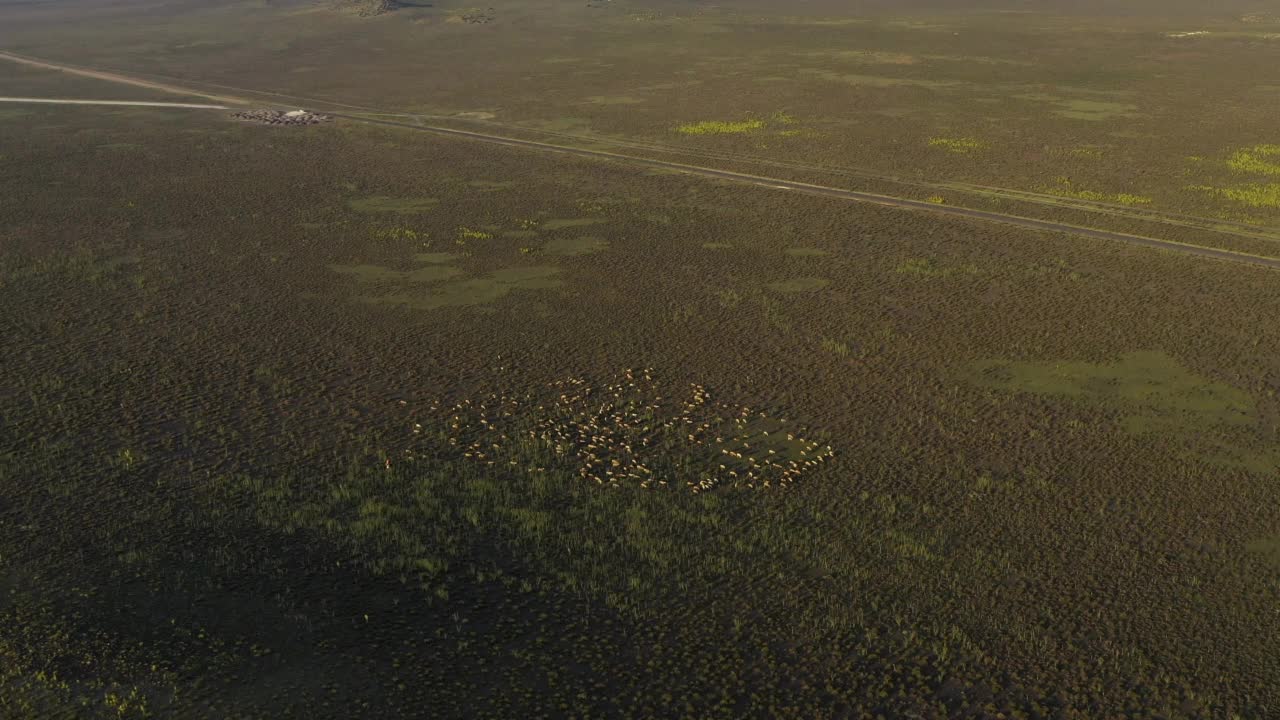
{"type": "Point", "coordinates": [129, 103]}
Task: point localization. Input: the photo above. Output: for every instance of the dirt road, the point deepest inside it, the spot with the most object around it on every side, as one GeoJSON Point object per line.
{"type": "Point", "coordinates": [824, 191]}
{"type": "Point", "coordinates": [117, 78]}
{"type": "Point", "coordinates": [766, 182]}
{"type": "Point", "coordinates": [140, 103]}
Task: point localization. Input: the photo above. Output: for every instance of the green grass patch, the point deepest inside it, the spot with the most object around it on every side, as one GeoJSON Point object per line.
{"type": "Point", "coordinates": [1255, 195]}
{"type": "Point", "coordinates": [79, 265]}
{"type": "Point", "coordinates": [1159, 393]}
{"type": "Point", "coordinates": [427, 287]}
{"type": "Point", "coordinates": [472, 291]}
{"type": "Point", "coordinates": [1081, 109]}
{"type": "Point", "coordinates": [925, 267]}
{"type": "Point", "coordinates": [1258, 196]}
{"type": "Point", "coordinates": [393, 234]}
{"type": "Point", "coordinates": [562, 223]}
{"type": "Point", "coordinates": [877, 81]}
{"type": "Point", "coordinates": [1268, 548]}
{"type": "Point", "coordinates": [613, 100]}
{"type": "Point", "coordinates": [864, 57]}
{"type": "Point", "coordinates": [491, 185]}
{"type": "Point", "coordinates": [373, 274]}
{"type": "Point", "coordinates": [1066, 189]}
{"type": "Point", "coordinates": [720, 127]}
{"type": "Point", "coordinates": [519, 234]}
{"type": "Point", "coordinates": [400, 206]}
{"type": "Point", "coordinates": [835, 347]}
{"type": "Point", "coordinates": [1258, 462]}
{"type": "Point", "coordinates": [959, 146]}
{"type": "Point", "coordinates": [436, 258]}
{"type": "Point", "coordinates": [467, 233]}
{"type": "Point", "coordinates": [601, 489]}
{"type": "Point", "coordinates": [574, 246]}
{"type": "Point", "coordinates": [798, 285]}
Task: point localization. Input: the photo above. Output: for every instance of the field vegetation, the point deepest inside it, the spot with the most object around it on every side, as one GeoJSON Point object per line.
{"type": "Point", "coordinates": [864, 86]}
{"type": "Point", "coordinates": [720, 127]}
{"type": "Point", "coordinates": [1065, 188]}
{"type": "Point", "coordinates": [960, 146]}
{"type": "Point", "coordinates": [345, 421]}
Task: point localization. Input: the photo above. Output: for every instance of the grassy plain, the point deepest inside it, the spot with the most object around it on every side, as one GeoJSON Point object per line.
{"type": "Point", "coordinates": [342, 421]}
{"type": "Point", "coordinates": [1118, 98]}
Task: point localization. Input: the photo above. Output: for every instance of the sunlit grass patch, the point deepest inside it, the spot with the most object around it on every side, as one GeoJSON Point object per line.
{"type": "Point", "coordinates": [835, 347]}
{"type": "Point", "coordinates": [1255, 160]}
{"type": "Point", "coordinates": [399, 206]}
{"type": "Point", "coordinates": [466, 233]}
{"type": "Point", "coordinates": [1065, 188]}
{"type": "Point", "coordinates": [1255, 195]}
{"type": "Point", "coordinates": [960, 146]}
{"type": "Point", "coordinates": [397, 233]}
{"type": "Point", "coordinates": [721, 127]}
{"type": "Point", "coordinates": [738, 127]}
{"type": "Point", "coordinates": [1258, 196]}
{"type": "Point", "coordinates": [1085, 151]}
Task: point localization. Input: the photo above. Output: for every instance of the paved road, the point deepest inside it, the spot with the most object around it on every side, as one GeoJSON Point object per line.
{"type": "Point", "coordinates": [824, 191]}
{"type": "Point", "coordinates": [766, 182]}
{"type": "Point", "coordinates": [57, 101]}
